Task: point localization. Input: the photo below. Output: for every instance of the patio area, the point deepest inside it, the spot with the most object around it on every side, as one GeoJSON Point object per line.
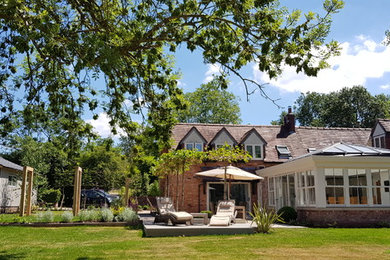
{"type": "Point", "coordinates": [152, 229]}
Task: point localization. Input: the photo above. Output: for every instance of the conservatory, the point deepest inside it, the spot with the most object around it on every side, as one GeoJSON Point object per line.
{"type": "Point", "coordinates": [342, 184]}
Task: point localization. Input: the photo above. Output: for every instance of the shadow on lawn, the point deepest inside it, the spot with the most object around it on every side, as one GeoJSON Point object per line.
{"type": "Point", "coordinates": [5, 255]}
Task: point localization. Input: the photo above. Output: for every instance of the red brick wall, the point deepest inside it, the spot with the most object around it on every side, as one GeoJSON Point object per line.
{"type": "Point", "coordinates": [195, 194]}
{"type": "Point", "coordinates": [344, 217]}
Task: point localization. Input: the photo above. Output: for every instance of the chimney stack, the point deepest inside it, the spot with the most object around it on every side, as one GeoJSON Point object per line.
{"type": "Point", "coordinates": [289, 121]}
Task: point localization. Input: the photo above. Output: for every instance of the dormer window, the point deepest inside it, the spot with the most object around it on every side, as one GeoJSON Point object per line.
{"type": "Point", "coordinates": [218, 146]}
{"type": "Point", "coordinates": [311, 150]}
{"type": "Point", "coordinates": [283, 151]}
{"type": "Point", "coordinates": [194, 146]}
{"type": "Point", "coordinates": [254, 151]}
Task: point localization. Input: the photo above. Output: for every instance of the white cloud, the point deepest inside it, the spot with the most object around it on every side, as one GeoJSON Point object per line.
{"type": "Point", "coordinates": [102, 126]}
{"type": "Point", "coordinates": [357, 63]}
{"type": "Point", "coordinates": [385, 86]}
{"type": "Point", "coordinates": [213, 69]}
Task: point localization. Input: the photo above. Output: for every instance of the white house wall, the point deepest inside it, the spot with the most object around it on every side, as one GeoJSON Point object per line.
{"type": "Point", "coordinates": [9, 195]}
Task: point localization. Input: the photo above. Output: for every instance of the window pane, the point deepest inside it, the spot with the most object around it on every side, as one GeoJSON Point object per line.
{"type": "Point", "coordinates": [376, 177]}
{"type": "Point", "coordinates": [377, 196]}
{"type": "Point", "coordinates": [291, 190]}
{"type": "Point", "coordinates": [249, 149]}
{"type": "Point", "coordinates": [377, 142]}
{"type": "Point", "coordinates": [357, 196]}
{"type": "Point", "coordinates": [329, 177]}
{"type": "Point", "coordinates": [338, 177]}
{"type": "Point", "coordinates": [383, 142]}
{"type": "Point", "coordinates": [310, 179]}
{"type": "Point", "coordinates": [361, 176]}
{"type": "Point", "coordinates": [189, 146]}
{"type": "Point", "coordinates": [257, 151]}
{"type": "Point", "coordinates": [199, 147]}
{"type": "Point", "coordinates": [312, 196]}
{"type": "Point", "coordinates": [330, 195]}
{"type": "Point", "coordinates": [352, 177]}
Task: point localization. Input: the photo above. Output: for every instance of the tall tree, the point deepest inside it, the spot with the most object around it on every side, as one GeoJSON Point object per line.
{"type": "Point", "coordinates": [349, 107]}
{"type": "Point", "coordinates": [103, 165]}
{"type": "Point", "coordinates": [211, 104]}
{"type": "Point", "coordinates": [54, 51]}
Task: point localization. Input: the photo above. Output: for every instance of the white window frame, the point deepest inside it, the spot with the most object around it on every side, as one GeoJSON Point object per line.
{"type": "Point", "coordinates": [254, 151]}
{"type": "Point", "coordinates": [194, 146]}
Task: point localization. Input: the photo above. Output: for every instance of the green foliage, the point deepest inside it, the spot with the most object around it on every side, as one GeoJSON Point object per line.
{"type": "Point", "coordinates": [89, 215]}
{"type": "Point", "coordinates": [127, 215]}
{"type": "Point", "coordinates": [54, 53]}
{"type": "Point", "coordinates": [349, 107]}
{"type": "Point", "coordinates": [67, 217]}
{"type": "Point", "coordinates": [106, 215]}
{"type": "Point", "coordinates": [51, 196]}
{"type": "Point", "coordinates": [264, 218]}
{"type": "Point", "coordinates": [211, 104]}
{"type": "Point", "coordinates": [103, 165]}
{"type": "Point", "coordinates": [154, 189]}
{"type": "Point", "coordinates": [287, 214]}
{"type": "Point", "coordinates": [280, 121]}
{"type": "Point", "coordinates": [45, 216]}
{"type": "Point", "coordinates": [228, 154]}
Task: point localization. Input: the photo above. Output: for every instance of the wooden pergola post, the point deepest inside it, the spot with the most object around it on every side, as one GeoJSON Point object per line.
{"type": "Point", "coordinates": [126, 197]}
{"type": "Point", "coordinates": [28, 177]}
{"type": "Point", "coordinates": [77, 191]}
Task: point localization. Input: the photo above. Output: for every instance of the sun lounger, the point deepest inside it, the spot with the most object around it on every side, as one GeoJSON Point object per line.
{"type": "Point", "coordinates": [226, 214]}
{"type": "Point", "coordinates": [167, 212]}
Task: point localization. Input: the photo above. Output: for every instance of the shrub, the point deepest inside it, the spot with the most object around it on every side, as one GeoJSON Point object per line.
{"type": "Point", "coordinates": [89, 215]}
{"type": "Point", "coordinates": [209, 213]}
{"type": "Point", "coordinates": [264, 218]}
{"type": "Point", "coordinates": [287, 214]}
{"type": "Point", "coordinates": [154, 189]}
{"type": "Point", "coordinates": [127, 215]}
{"type": "Point", "coordinates": [51, 196]}
{"type": "Point", "coordinates": [106, 215]}
{"type": "Point", "coordinates": [46, 216]}
{"type": "Point", "coordinates": [67, 217]}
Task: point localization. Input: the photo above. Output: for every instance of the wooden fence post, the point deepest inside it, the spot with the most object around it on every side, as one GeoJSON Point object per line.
{"type": "Point", "coordinates": [77, 191]}
{"type": "Point", "coordinates": [28, 177]}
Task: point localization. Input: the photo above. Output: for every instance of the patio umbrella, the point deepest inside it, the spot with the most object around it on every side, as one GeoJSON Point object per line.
{"type": "Point", "coordinates": [229, 173]}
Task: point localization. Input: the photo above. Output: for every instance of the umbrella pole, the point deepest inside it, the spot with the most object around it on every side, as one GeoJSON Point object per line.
{"type": "Point", "coordinates": [230, 185]}
{"type": "Point", "coordinates": [224, 184]}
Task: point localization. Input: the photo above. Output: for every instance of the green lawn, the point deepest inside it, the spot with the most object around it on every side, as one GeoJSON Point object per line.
{"type": "Point", "coordinates": [121, 243]}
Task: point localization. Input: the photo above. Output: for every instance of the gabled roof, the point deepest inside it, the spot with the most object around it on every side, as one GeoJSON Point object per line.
{"type": "Point", "coordinates": [7, 164]}
{"type": "Point", "coordinates": [252, 131]}
{"type": "Point", "coordinates": [193, 129]}
{"type": "Point", "coordinates": [298, 143]}
{"type": "Point", "coordinates": [384, 123]}
{"type": "Point", "coordinates": [223, 129]}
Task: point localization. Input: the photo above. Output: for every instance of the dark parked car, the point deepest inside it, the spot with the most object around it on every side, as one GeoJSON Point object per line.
{"type": "Point", "coordinates": [97, 198]}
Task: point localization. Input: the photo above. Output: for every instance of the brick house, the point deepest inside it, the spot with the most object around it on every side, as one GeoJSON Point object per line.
{"type": "Point", "coordinates": [268, 145]}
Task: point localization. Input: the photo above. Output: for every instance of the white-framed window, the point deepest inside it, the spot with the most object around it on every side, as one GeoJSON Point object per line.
{"type": "Point", "coordinates": [281, 191]}
{"type": "Point", "coordinates": [380, 179]}
{"type": "Point", "coordinates": [379, 142]}
{"type": "Point", "coordinates": [334, 186]}
{"type": "Point", "coordinates": [283, 152]}
{"type": "Point", "coordinates": [12, 180]}
{"type": "Point", "coordinates": [271, 191]}
{"type": "Point", "coordinates": [306, 189]}
{"type": "Point", "coordinates": [194, 146]}
{"type": "Point", "coordinates": [357, 186]}
{"type": "Point", "coordinates": [255, 150]}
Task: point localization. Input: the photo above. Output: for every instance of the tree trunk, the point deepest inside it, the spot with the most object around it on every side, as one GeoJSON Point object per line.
{"type": "Point", "coordinates": [62, 199]}
{"type": "Point", "coordinates": [167, 186]}
{"type": "Point", "coordinates": [182, 189]}
{"type": "Point", "coordinates": [177, 191]}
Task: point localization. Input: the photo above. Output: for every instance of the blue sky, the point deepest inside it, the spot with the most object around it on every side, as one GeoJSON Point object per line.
{"type": "Point", "coordinates": [359, 28]}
